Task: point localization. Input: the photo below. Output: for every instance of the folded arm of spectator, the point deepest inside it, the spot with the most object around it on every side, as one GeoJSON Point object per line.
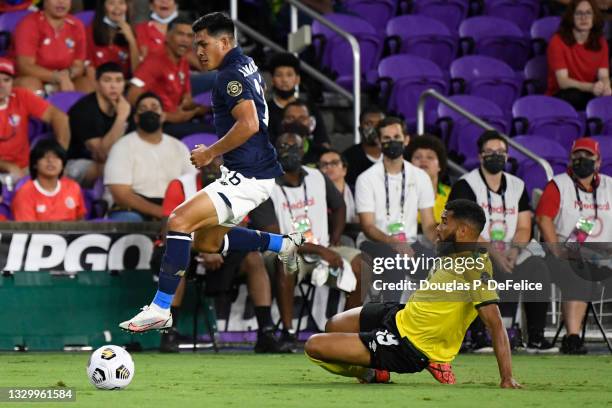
{"type": "Point", "coordinates": [124, 196]}
{"type": "Point", "coordinates": [60, 125]}
{"type": "Point", "coordinates": [566, 82]}
{"type": "Point", "coordinates": [26, 66]}
{"type": "Point", "coordinates": [14, 170]}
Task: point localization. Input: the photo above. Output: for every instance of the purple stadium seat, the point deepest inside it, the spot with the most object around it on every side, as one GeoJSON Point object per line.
{"type": "Point", "coordinates": [424, 37]}
{"type": "Point", "coordinates": [599, 114]}
{"type": "Point", "coordinates": [8, 23]}
{"type": "Point", "coordinates": [205, 98]}
{"type": "Point", "coordinates": [199, 138]}
{"type": "Point", "coordinates": [541, 32]}
{"type": "Point", "coordinates": [488, 78]}
{"type": "Point", "coordinates": [64, 100]}
{"type": "Point", "coordinates": [536, 75]}
{"type": "Point", "coordinates": [545, 115]}
{"type": "Point", "coordinates": [86, 17]}
{"type": "Point", "coordinates": [6, 211]}
{"type": "Point", "coordinates": [450, 12]}
{"type": "Point", "coordinates": [497, 38]}
{"type": "Point", "coordinates": [521, 12]}
{"type": "Point", "coordinates": [528, 170]}
{"type": "Point", "coordinates": [410, 76]}
{"type": "Point", "coordinates": [459, 133]}
{"type": "Point", "coordinates": [377, 12]}
{"type": "Point", "coordinates": [335, 52]}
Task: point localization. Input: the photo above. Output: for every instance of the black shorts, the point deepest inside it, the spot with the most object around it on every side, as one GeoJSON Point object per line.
{"type": "Point", "coordinates": [388, 350]}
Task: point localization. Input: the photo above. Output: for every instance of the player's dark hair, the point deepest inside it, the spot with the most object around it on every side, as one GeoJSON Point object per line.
{"type": "Point", "coordinates": [106, 68]}
{"type": "Point", "coordinates": [342, 157]}
{"type": "Point", "coordinates": [40, 149]}
{"type": "Point", "coordinates": [468, 211]}
{"type": "Point", "coordinates": [146, 95]}
{"type": "Point", "coordinates": [179, 20]}
{"type": "Point", "coordinates": [284, 59]}
{"type": "Point", "coordinates": [490, 135]}
{"type": "Point", "coordinates": [391, 120]}
{"type": "Point", "coordinates": [297, 103]}
{"type": "Point", "coordinates": [215, 24]}
{"type": "Point", "coordinates": [429, 142]}
{"type": "Point", "coordinates": [370, 110]}
{"type": "Point", "coordinates": [102, 32]}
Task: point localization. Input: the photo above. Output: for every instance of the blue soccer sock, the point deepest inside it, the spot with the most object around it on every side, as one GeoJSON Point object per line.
{"type": "Point", "coordinates": [174, 265]}
{"type": "Point", "coordinates": [243, 239]}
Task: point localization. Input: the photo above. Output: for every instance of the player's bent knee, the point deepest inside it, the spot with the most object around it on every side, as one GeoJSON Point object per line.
{"type": "Point", "coordinates": [314, 347]}
{"type": "Point", "coordinates": [331, 325]}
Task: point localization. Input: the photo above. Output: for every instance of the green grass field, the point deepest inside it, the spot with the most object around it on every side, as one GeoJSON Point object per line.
{"type": "Point", "coordinates": [248, 380]}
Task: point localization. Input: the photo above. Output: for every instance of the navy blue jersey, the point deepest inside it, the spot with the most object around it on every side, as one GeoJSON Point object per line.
{"type": "Point", "coordinates": [239, 79]}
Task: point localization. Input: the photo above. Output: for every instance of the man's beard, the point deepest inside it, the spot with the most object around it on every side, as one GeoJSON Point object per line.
{"type": "Point", "coordinates": [447, 246]}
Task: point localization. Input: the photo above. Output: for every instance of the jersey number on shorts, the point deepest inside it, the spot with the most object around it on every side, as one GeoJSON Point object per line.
{"type": "Point", "coordinates": [260, 92]}
{"type": "Point", "coordinates": [384, 338]}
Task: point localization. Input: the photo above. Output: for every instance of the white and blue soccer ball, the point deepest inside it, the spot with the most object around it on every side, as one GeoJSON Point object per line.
{"type": "Point", "coordinates": [110, 368]}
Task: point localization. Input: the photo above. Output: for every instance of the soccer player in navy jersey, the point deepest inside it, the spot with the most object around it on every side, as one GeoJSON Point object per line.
{"type": "Point", "coordinates": [250, 167]}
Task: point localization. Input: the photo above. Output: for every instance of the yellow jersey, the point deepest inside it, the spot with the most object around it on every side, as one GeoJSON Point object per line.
{"type": "Point", "coordinates": [439, 203]}
{"type": "Point", "coordinates": [438, 314]}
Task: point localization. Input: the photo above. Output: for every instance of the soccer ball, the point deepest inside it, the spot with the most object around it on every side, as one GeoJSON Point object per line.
{"type": "Point", "coordinates": [110, 368]}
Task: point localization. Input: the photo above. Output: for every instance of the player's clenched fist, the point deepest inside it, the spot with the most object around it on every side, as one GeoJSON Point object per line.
{"type": "Point", "coordinates": [201, 156]}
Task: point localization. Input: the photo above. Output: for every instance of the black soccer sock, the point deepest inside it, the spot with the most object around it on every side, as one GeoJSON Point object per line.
{"type": "Point", "coordinates": [263, 314]}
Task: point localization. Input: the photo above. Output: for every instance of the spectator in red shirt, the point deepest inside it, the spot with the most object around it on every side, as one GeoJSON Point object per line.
{"type": "Point", "coordinates": [151, 34]}
{"type": "Point", "coordinates": [17, 106]}
{"type": "Point", "coordinates": [48, 196]}
{"type": "Point", "coordinates": [111, 39]}
{"type": "Point", "coordinates": [578, 60]}
{"type": "Point", "coordinates": [50, 49]}
{"type": "Point", "coordinates": [166, 73]}
{"type": "Point", "coordinates": [577, 200]}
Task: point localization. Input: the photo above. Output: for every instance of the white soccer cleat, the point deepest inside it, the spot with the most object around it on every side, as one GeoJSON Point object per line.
{"type": "Point", "coordinates": [288, 253]}
{"type": "Point", "coordinates": [150, 318]}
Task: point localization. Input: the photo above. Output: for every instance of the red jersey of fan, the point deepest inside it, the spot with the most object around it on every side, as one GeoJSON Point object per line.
{"type": "Point", "coordinates": [33, 203]}
{"type": "Point", "coordinates": [149, 37]}
{"type": "Point", "coordinates": [14, 143]}
{"type": "Point", "coordinates": [581, 64]}
{"type": "Point", "coordinates": [175, 195]}
{"type": "Point", "coordinates": [7, 8]}
{"type": "Point", "coordinates": [99, 54]}
{"type": "Point", "coordinates": [52, 49]}
{"type": "Point", "coordinates": [168, 79]}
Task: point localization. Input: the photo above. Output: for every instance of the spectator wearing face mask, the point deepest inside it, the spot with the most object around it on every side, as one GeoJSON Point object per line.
{"type": "Point", "coordinates": [298, 112]}
{"type": "Point", "coordinates": [286, 80]}
{"type": "Point", "coordinates": [141, 164]}
{"type": "Point", "coordinates": [361, 156]}
{"type": "Point", "coordinates": [508, 229]}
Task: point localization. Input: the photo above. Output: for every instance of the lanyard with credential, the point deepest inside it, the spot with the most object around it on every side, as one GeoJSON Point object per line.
{"type": "Point", "coordinates": [289, 204]}
{"type": "Point", "coordinates": [580, 201]}
{"type": "Point", "coordinates": [402, 196]}
{"type": "Point", "coordinates": [503, 197]}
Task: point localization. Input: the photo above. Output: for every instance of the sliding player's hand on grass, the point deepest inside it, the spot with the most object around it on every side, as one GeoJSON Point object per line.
{"type": "Point", "coordinates": [201, 156]}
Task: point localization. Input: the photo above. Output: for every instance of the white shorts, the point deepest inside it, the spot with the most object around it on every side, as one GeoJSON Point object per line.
{"type": "Point", "coordinates": [234, 196]}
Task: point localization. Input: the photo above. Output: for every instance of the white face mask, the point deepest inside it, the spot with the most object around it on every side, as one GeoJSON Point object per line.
{"type": "Point", "coordinates": [161, 20]}
{"type": "Point", "coordinates": [110, 22]}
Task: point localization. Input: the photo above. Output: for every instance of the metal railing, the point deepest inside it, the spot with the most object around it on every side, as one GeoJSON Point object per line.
{"type": "Point", "coordinates": [442, 99]}
{"type": "Point", "coordinates": [296, 5]}
{"type": "Point", "coordinates": [355, 97]}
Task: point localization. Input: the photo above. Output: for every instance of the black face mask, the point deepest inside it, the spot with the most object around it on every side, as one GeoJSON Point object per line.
{"type": "Point", "coordinates": [393, 149]}
{"type": "Point", "coordinates": [290, 159]}
{"type": "Point", "coordinates": [284, 94]}
{"type": "Point", "coordinates": [368, 135]}
{"type": "Point", "coordinates": [494, 163]}
{"type": "Point", "coordinates": [583, 167]}
{"type": "Point", "coordinates": [149, 121]}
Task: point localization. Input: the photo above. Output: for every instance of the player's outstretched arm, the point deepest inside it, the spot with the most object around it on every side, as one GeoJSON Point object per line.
{"type": "Point", "coordinates": [247, 124]}
{"type": "Point", "coordinates": [491, 317]}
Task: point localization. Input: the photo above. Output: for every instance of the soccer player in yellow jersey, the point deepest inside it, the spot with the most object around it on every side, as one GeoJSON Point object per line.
{"type": "Point", "coordinates": [370, 341]}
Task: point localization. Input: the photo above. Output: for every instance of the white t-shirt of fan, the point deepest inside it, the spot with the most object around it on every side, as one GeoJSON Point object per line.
{"type": "Point", "coordinates": [569, 208]}
{"type": "Point", "coordinates": [317, 205]}
{"type": "Point", "coordinates": [370, 196]}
